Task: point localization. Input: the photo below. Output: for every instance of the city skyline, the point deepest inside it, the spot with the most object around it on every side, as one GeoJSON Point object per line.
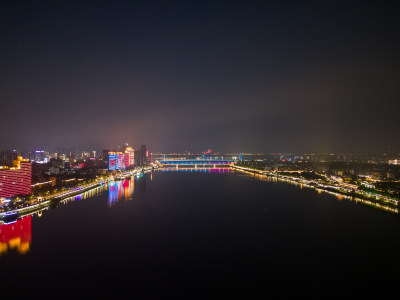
{"type": "Point", "coordinates": [234, 77]}
{"type": "Point", "coordinates": [199, 149]}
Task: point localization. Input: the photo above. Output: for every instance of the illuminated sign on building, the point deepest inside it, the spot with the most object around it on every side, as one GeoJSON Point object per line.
{"type": "Point", "coordinates": [119, 161]}
{"type": "Point", "coordinates": [112, 161]}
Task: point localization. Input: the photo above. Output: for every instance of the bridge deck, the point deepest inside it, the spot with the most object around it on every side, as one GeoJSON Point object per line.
{"type": "Point", "coordinates": [197, 162]}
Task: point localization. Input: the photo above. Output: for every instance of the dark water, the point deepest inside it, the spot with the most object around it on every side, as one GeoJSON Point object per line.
{"type": "Point", "coordinates": [206, 235]}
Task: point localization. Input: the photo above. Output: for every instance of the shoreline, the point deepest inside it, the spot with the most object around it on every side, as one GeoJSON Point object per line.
{"type": "Point", "coordinates": [12, 215]}
{"type": "Point", "coordinates": [303, 182]}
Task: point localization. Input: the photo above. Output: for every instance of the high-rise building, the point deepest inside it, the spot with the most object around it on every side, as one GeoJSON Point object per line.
{"type": "Point", "coordinates": [142, 156]}
{"type": "Point", "coordinates": [7, 157]}
{"type": "Point", "coordinates": [41, 157]}
{"type": "Point", "coordinates": [138, 158]}
{"type": "Point", "coordinates": [131, 155]}
{"type": "Point", "coordinates": [117, 160]}
{"type": "Point", "coordinates": [106, 152]}
{"type": "Point", "coordinates": [16, 180]}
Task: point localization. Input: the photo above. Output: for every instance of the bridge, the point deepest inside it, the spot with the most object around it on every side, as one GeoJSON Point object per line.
{"type": "Point", "coordinates": [196, 162]}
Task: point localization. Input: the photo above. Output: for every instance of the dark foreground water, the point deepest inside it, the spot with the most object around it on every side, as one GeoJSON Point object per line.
{"type": "Point", "coordinates": [201, 235]}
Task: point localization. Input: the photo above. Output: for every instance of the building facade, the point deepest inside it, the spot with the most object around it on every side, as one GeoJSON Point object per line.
{"type": "Point", "coordinates": [142, 156]}
{"type": "Point", "coordinates": [16, 180]}
{"type": "Point", "coordinates": [7, 157]}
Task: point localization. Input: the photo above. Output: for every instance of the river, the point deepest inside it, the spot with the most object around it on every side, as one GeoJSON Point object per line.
{"type": "Point", "coordinates": [215, 233]}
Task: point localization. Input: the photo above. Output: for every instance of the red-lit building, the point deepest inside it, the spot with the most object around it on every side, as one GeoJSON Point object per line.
{"type": "Point", "coordinates": [16, 180]}
{"type": "Point", "coordinates": [120, 160]}
{"type": "Point", "coordinates": [131, 155]}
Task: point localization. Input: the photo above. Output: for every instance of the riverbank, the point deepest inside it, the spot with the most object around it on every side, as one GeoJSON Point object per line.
{"type": "Point", "coordinates": [390, 205]}
{"type": "Point", "coordinates": [12, 215]}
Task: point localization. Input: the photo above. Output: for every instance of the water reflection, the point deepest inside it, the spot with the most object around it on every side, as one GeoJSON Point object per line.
{"type": "Point", "coordinates": [87, 194]}
{"type": "Point", "coordinates": [16, 235]}
{"type": "Point", "coordinates": [339, 196]}
{"type": "Point", "coordinates": [118, 190]}
{"type": "Point", "coordinates": [142, 183]}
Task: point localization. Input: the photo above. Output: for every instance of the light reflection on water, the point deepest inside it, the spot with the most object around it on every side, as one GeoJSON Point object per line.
{"type": "Point", "coordinates": [16, 235]}
{"type": "Point", "coordinates": [118, 190]}
{"type": "Point", "coordinates": [339, 196]}
{"type": "Point", "coordinates": [124, 189]}
{"type": "Point", "coordinates": [230, 225]}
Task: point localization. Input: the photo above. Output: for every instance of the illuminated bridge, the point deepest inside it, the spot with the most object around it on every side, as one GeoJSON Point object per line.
{"type": "Point", "coordinates": [196, 162]}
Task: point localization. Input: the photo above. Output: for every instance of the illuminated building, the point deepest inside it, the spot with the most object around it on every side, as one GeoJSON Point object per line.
{"type": "Point", "coordinates": [120, 160]}
{"type": "Point", "coordinates": [41, 157]}
{"type": "Point", "coordinates": [131, 154]}
{"type": "Point", "coordinates": [16, 180]}
{"type": "Point", "coordinates": [16, 236]}
{"type": "Point", "coordinates": [113, 161]}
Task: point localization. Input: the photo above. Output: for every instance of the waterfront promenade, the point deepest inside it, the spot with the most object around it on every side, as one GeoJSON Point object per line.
{"type": "Point", "coordinates": [41, 203]}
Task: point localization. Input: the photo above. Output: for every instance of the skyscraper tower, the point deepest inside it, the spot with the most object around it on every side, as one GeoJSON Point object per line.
{"type": "Point", "coordinates": [142, 156]}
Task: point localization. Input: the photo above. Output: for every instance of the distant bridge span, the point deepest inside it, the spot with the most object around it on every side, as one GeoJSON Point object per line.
{"type": "Point", "coordinates": [195, 162]}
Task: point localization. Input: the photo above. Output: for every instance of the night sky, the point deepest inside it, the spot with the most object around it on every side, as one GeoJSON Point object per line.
{"type": "Point", "coordinates": [232, 76]}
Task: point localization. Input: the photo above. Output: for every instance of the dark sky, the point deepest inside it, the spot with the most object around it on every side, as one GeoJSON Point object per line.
{"type": "Point", "coordinates": [232, 76]}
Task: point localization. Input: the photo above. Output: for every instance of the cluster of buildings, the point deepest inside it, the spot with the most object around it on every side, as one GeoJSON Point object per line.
{"type": "Point", "coordinates": [39, 169]}
{"type": "Point", "coordinates": [126, 157]}
{"type": "Point", "coordinates": [341, 170]}
{"type": "Point", "coordinates": [23, 174]}
{"type": "Point", "coordinates": [69, 155]}
{"type": "Point", "coordinates": [394, 162]}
